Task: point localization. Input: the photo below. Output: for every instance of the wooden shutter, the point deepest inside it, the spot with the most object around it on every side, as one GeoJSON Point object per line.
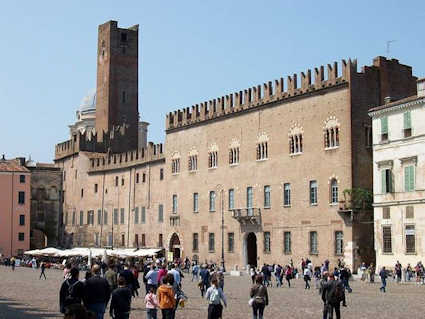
{"type": "Point", "coordinates": [384, 125]}
{"type": "Point", "coordinates": [384, 181]}
{"type": "Point", "coordinates": [407, 120]}
{"type": "Point", "coordinates": [411, 178]}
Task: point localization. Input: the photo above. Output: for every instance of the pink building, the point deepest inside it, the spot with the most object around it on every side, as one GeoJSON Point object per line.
{"type": "Point", "coordinates": [15, 192]}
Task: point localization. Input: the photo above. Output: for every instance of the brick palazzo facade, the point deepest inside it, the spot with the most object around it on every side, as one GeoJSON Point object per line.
{"type": "Point", "coordinates": [271, 162]}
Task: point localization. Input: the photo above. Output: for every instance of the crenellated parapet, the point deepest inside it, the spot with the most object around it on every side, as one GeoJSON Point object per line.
{"type": "Point", "coordinates": [114, 141]}
{"type": "Point", "coordinates": [101, 162]}
{"type": "Point", "coordinates": [269, 92]}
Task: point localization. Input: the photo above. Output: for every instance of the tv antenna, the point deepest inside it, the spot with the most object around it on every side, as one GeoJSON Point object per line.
{"type": "Point", "coordinates": [388, 46]}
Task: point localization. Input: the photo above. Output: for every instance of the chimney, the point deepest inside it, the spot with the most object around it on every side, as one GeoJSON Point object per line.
{"type": "Point", "coordinates": [388, 99]}
{"type": "Point", "coordinates": [21, 160]}
{"type": "Point", "coordinates": [3, 158]}
{"type": "Point", "coordinates": [421, 87]}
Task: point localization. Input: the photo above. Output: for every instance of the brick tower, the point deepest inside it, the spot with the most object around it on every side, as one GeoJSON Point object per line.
{"type": "Point", "coordinates": [117, 83]}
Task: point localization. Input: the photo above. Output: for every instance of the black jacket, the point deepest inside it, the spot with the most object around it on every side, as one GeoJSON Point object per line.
{"type": "Point", "coordinates": [120, 301]}
{"type": "Point", "coordinates": [96, 290]}
{"type": "Point", "coordinates": [329, 292]}
{"type": "Point", "coordinates": [77, 291]}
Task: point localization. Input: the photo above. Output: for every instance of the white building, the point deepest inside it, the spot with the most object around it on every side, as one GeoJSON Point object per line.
{"type": "Point", "coordinates": [399, 180]}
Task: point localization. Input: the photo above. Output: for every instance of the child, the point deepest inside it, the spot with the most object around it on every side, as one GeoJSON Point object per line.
{"type": "Point", "coordinates": [151, 304]}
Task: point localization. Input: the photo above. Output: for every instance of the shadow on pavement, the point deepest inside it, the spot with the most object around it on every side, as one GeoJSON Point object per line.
{"type": "Point", "coordinates": [10, 309]}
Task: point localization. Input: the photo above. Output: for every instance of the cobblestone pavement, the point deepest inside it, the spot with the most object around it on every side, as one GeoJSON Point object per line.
{"type": "Point", "coordinates": [23, 295]}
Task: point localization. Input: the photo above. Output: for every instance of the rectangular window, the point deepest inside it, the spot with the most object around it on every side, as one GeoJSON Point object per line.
{"type": "Point", "coordinates": [313, 193]}
{"type": "Point", "coordinates": [122, 181]}
{"type": "Point", "coordinates": [82, 192]}
{"type": "Point", "coordinates": [95, 188]}
{"type": "Point", "coordinates": [287, 194]}
{"type": "Point", "coordinates": [212, 201]}
{"type": "Point", "coordinates": [96, 239]}
{"type": "Point", "coordinates": [386, 239]}
{"type": "Point", "coordinates": [21, 236]}
{"type": "Point", "coordinates": [143, 240]}
{"type": "Point", "coordinates": [230, 242]}
{"type": "Point", "coordinates": [195, 242]}
{"type": "Point", "coordinates": [137, 178]}
{"type": "Point", "coordinates": [160, 241]}
{"type": "Point", "coordinates": [249, 200]}
{"type": "Point", "coordinates": [21, 220]}
{"type": "Point", "coordinates": [410, 213]}
{"type": "Point", "coordinates": [116, 181]}
{"type": "Point", "coordinates": [313, 243]}
{"type": "Point", "coordinates": [409, 178]}
{"type": "Point", "coordinates": [105, 217]}
{"type": "Point", "coordinates": [195, 202]}
{"type": "Point", "coordinates": [115, 216]}
{"type": "Point", "coordinates": [99, 217]}
{"type": "Point", "coordinates": [160, 213]}
{"type": "Point", "coordinates": [410, 239]}
{"type": "Point", "coordinates": [161, 174]}
{"type": "Point", "coordinates": [110, 239]}
{"type": "Point", "coordinates": [21, 198]}
{"type": "Point", "coordinates": [174, 204]}
{"type": "Point", "coordinates": [136, 215]}
{"type": "Point", "coordinates": [267, 242]}
{"type": "Point", "coordinates": [231, 199]}
{"type": "Point", "coordinates": [386, 213]}
{"type": "Point", "coordinates": [81, 218]}
{"type": "Point", "coordinates": [143, 215]}
{"type": "Point", "coordinates": [211, 242]}
{"type": "Point", "coordinates": [73, 218]}
{"type": "Point", "coordinates": [22, 179]}
{"type": "Point", "coordinates": [136, 240]}
{"type": "Point", "coordinates": [122, 239]}
{"type": "Point", "coordinates": [407, 124]}
{"type": "Point", "coordinates": [267, 199]}
{"type": "Point", "coordinates": [143, 177]}
{"type": "Point", "coordinates": [384, 129]}
{"type": "Point", "coordinates": [339, 243]}
{"type": "Point", "coordinates": [387, 181]}
{"type": "Point", "coordinates": [287, 242]}
{"type": "Point", "coordinates": [66, 218]}
{"type": "Point", "coordinates": [122, 216]}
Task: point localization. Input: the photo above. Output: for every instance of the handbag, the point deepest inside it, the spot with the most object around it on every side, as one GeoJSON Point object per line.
{"type": "Point", "coordinates": [251, 301]}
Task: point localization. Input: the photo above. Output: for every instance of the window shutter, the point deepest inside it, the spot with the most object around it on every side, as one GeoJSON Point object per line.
{"type": "Point", "coordinates": [406, 179]}
{"type": "Point", "coordinates": [407, 120]}
{"type": "Point", "coordinates": [384, 181]}
{"type": "Point", "coordinates": [411, 178]}
{"type": "Point", "coordinates": [384, 125]}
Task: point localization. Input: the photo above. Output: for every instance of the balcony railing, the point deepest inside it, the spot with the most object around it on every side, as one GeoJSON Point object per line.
{"type": "Point", "coordinates": [247, 216]}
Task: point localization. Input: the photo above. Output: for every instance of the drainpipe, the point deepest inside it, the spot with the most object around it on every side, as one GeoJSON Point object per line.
{"type": "Point", "coordinates": [129, 211]}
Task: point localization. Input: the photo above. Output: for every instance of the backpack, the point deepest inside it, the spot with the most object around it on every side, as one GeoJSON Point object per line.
{"type": "Point", "coordinates": [70, 299]}
{"type": "Point", "coordinates": [337, 294]}
{"type": "Point", "coordinates": [214, 297]}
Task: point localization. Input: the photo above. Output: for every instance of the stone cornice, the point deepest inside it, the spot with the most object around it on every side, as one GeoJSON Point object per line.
{"type": "Point", "coordinates": [400, 106]}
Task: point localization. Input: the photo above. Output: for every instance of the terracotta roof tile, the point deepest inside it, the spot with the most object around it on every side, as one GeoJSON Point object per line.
{"type": "Point", "coordinates": [398, 102]}
{"type": "Point", "coordinates": [12, 166]}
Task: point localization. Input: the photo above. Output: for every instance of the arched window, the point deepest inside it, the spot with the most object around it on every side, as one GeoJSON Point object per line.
{"type": "Point", "coordinates": [296, 140]}
{"type": "Point", "coordinates": [262, 147]}
{"type": "Point", "coordinates": [331, 132]}
{"type": "Point", "coordinates": [334, 191]}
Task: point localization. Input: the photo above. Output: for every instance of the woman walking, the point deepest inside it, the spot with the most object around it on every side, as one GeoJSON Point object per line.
{"type": "Point", "coordinates": [166, 299]}
{"type": "Point", "coordinates": [259, 297]}
{"type": "Point", "coordinates": [214, 296]}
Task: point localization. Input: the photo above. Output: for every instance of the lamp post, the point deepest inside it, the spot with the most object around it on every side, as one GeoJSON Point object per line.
{"type": "Point", "coordinates": [221, 190]}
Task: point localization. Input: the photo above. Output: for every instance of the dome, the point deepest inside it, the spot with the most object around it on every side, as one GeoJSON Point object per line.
{"type": "Point", "coordinates": [88, 103]}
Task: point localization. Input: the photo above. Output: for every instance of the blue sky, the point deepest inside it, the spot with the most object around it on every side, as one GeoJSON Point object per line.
{"type": "Point", "coordinates": [190, 52]}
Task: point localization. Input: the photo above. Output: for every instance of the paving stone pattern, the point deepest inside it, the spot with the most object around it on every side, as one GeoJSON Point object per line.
{"type": "Point", "coordinates": [23, 295]}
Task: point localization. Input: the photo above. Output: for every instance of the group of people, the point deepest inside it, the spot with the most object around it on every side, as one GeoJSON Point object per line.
{"type": "Point", "coordinates": [116, 284]}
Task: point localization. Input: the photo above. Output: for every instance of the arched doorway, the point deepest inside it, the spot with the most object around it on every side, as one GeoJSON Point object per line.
{"type": "Point", "coordinates": [251, 249]}
{"type": "Point", "coordinates": [175, 246]}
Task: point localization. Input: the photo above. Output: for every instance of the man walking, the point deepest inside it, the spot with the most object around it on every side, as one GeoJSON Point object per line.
{"type": "Point", "coordinates": [43, 269]}
{"type": "Point", "coordinates": [383, 274]}
{"type": "Point", "coordinates": [96, 293]}
{"type": "Point", "coordinates": [152, 278]}
{"type": "Point", "coordinates": [71, 292]}
{"type": "Point", "coordinates": [121, 301]}
{"type": "Point", "coordinates": [332, 295]}
{"type": "Point", "coordinates": [111, 277]}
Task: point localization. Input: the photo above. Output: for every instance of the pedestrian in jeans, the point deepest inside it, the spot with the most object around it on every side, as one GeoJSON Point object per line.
{"type": "Point", "coordinates": [214, 296]}
{"type": "Point", "coordinates": [383, 274]}
{"type": "Point", "coordinates": [307, 277]}
{"type": "Point", "coordinates": [43, 269]}
{"type": "Point", "coordinates": [96, 293]}
{"type": "Point", "coordinates": [260, 298]}
{"type": "Point", "coordinates": [121, 300]}
{"type": "Point", "coordinates": [166, 299]}
{"type": "Point", "coordinates": [151, 302]}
